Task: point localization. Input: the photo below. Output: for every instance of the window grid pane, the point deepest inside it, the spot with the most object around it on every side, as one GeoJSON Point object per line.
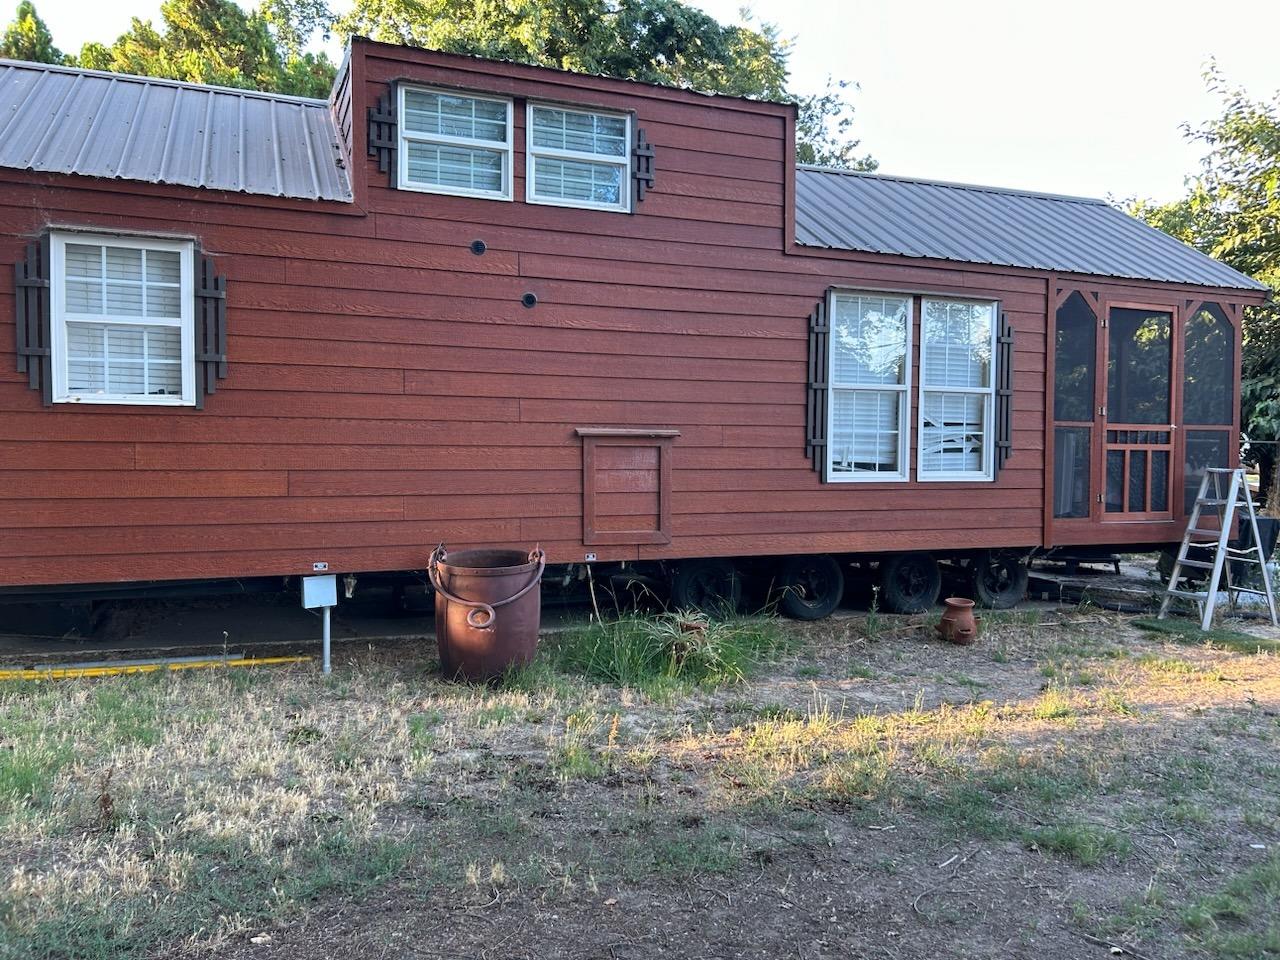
{"type": "Point", "coordinates": [866, 428]}
{"type": "Point", "coordinates": [122, 282]}
{"type": "Point", "coordinates": [122, 360]}
{"type": "Point", "coordinates": [455, 116]}
{"type": "Point", "coordinates": [467, 168]}
{"type": "Point", "coordinates": [869, 340]}
{"type": "Point", "coordinates": [957, 339]}
{"type": "Point", "coordinates": [592, 133]}
{"type": "Point", "coordinates": [953, 431]}
{"type": "Point", "coordinates": [577, 180]}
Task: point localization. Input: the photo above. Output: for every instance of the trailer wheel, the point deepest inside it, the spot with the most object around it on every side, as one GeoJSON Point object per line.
{"type": "Point", "coordinates": [711, 585]}
{"type": "Point", "coordinates": [910, 582]}
{"type": "Point", "coordinates": [999, 579]}
{"type": "Point", "coordinates": [811, 587]}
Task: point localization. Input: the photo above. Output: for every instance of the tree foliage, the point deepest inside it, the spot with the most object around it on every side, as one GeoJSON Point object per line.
{"type": "Point", "coordinates": [655, 41]}
{"type": "Point", "coordinates": [28, 38]}
{"type": "Point", "coordinates": [1232, 213]}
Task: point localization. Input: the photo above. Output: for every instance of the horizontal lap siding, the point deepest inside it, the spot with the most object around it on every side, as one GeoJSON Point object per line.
{"type": "Point", "coordinates": [387, 390]}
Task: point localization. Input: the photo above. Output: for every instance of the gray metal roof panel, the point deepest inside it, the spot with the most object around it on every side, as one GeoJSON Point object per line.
{"type": "Point", "coordinates": [62, 120]}
{"type": "Point", "coordinates": [850, 210]}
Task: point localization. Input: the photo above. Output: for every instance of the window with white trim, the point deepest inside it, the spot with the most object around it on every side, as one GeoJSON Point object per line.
{"type": "Point", "coordinates": [578, 158]}
{"type": "Point", "coordinates": [455, 143]}
{"type": "Point", "coordinates": [957, 389]}
{"type": "Point", "coordinates": [122, 320]}
{"type": "Point", "coordinates": [869, 386]}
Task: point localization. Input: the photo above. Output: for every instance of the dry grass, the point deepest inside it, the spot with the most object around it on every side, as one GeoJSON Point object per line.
{"type": "Point", "coordinates": [188, 814]}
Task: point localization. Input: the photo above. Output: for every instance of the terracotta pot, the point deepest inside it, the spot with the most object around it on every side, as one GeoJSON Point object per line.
{"type": "Point", "coordinates": [958, 624]}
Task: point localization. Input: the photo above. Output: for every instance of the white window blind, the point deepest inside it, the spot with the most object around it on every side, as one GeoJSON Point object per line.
{"type": "Point", "coordinates": [122, 320]}
{"type": "Point", "coordinates": [957, 389]}
{"type": "Point", "coordinates": [578, 158]}
{"type": "Point", "coordinates": [869, 386]}
{"type": "Point", "coordinates": [453, 143]}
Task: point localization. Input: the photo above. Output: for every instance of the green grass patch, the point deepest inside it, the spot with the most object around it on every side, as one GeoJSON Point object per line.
{"type": "Point", "coordinates": [27, 772]}
{"type": "Point", "coordinates": [1085, 844]}
{"type": "Point", "coordinates": [657, 654]}
{"type": "Point", "coordinates": [1240, 920]}
{"type": "Point", "coordinates": [1184, 631]}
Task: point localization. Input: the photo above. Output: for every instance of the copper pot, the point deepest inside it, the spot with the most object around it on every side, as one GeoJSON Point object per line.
{"type": "Point", "coordinates": [958, 624]}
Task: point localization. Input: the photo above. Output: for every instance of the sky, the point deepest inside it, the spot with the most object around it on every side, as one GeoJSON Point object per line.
{"type": "Point", "coordinates": [1083, 97]}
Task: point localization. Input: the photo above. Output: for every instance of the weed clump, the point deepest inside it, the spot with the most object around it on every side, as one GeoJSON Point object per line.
{"type": "Point", "coordinates": [655, 653]}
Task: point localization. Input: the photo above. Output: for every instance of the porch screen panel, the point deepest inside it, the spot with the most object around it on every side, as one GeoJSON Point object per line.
{"type": "Point", "coordinates": [1071, 463]}
{"type": "Point", "coordinates": [1075, 360]}
{"type": "Point", "coordinates": [1209, 368]}
{"type": "Point", "coordinates": [1205, 448]}
{"type": "Point", "coordinates": [1074, 379]}
{"type": "Point", "coordinates": [1139, 354]}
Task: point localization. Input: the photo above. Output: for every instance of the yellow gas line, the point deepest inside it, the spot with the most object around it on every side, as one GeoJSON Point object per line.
{"type": "Point", "coordinates": [108, 670]}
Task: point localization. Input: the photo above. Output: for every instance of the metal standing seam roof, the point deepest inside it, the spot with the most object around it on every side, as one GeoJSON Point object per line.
{"type": "Point", "coordinates": [63, 120]}
{"type": "Point", "coordinates": [874, 213]}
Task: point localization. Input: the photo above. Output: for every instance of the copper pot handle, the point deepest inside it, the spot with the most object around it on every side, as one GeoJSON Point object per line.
{"type": "Point", "coordinates": [480, 615]}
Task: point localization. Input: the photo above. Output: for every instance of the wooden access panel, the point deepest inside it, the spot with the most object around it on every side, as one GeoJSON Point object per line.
{"type": "Point", "coordinates": [626, 485]}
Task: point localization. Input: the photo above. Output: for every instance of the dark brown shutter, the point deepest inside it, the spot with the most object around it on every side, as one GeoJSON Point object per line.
{"type": "Point", "coordinates": [32, 295]}
{"type": "Point", "coordinates": [383, 134]}
{"type": "Point", "coordinates": [211, 328]}
{"type": "Point", "coordinates": [642, 172]}
{"type": "Point", "coordinates": [815, 445]}
{"type": "Point", "coordinates": [1004, 391]}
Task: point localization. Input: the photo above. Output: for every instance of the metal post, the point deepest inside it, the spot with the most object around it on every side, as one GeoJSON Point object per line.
{"type": "Point", "coordinates": [326, 639]}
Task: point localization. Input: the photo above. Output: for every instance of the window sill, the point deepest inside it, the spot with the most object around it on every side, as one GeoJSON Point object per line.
{"type": "Point", "coordinates": [577, 205]}
{"type": "Point", "coordinates": [74, 401]}
{"type": "Point", "coordinates": [444, 192]}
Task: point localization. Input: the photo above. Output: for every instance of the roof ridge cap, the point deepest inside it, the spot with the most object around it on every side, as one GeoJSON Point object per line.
{"type": "Point", "coordinates": [36, 67]}
{"type": "Point", "coordinates": [950, 184]}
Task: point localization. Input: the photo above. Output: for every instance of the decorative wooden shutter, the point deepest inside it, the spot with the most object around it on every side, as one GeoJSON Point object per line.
{"type": "Point", "coordinates": [1004, 391]}
{"type": "Point", "coordinates": [383, 134]}
{"type": "Point", "coordinates": [32, 295]}
{"type": "Point", "coordinates": [815, 445]}
{"type": "Point", "coordinates": [642, 165]}
{"type": "Point", "coordinates": [211, 328]}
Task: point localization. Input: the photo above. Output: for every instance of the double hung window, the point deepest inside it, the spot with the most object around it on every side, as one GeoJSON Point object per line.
{"type": "Point", "coordinates": [578, 158]}
{"type": "Point", "coordinates": [455, 143]}
{"type": "Point", "coordinates": [122, 320]}
{"type": "Point", "coordinates": [957, 389]}
{"type": "Point", "coordinates": [870, 385]}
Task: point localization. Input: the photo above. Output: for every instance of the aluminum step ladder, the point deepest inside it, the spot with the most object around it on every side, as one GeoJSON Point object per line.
{"type": "Point", "coordinates": [1224, 505]}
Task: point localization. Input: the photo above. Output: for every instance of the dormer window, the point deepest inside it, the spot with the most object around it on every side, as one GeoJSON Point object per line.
{"type": "Point", "coordinates": [578, 158]}
{"type": "Point", "coordinates": [455, 143]}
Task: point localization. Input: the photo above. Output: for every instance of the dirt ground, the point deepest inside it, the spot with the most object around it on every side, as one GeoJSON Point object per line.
{"type": "Point", "coordinates": [1069, 787]}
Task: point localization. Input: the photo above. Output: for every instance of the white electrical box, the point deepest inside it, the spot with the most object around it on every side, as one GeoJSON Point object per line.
{"type": "Point", "coordinates": [319, 591]}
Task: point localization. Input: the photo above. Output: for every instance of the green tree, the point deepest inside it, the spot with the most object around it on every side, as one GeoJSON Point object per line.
{"type": "Point", "coordinates": [1232, 212]}
{"type": "Point", "coordinates": [654, 41]}
{"type": "Point", "coordinates": [28, 37]}
{"type": "Point", "coordinates": [218, 42]}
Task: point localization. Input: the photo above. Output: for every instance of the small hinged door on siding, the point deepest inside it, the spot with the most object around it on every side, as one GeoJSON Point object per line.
{"type": "Point", "coordinates": [626, 485]}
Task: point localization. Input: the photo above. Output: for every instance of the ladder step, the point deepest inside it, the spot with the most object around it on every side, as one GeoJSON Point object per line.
{"type": "Point", "coordinates": [1198, 564]}
{"type": "Point", "coordinates": [1205, 533]}
{"type": "Point", "coordinates": [1189, 594]}
{"type": "Point", "coordinates": [1217, 503]}
{"type": "Point", "coordinates": [1260, 593]}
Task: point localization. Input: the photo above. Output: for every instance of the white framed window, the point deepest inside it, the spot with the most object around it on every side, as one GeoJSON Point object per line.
{"type": "Point", "coordinates": [578, 158]}
{"type": "Point", "coordinates": [123, 320]}
{"type": "Point", "coordinates": [869, 386]}
{"type": "Point", "coordinates": [455, 143]}
{"type": "Point", "coordinates": [957, 389]}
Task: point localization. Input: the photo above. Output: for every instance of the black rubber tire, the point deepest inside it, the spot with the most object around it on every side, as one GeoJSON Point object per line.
{"type": "Point", "coordinates": [710, 585]}
{"type": "Point", "coordinates": [811, 587]}
{"type": "Point", "coordinates": [909, 583]}
{"type": "Point", "coordinates": [999, 579]}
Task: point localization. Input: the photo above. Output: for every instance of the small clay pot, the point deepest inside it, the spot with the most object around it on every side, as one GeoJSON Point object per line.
{"type": "Point", "coordinates": [958, 624]}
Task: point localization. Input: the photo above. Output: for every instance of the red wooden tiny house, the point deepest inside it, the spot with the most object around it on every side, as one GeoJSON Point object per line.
{"type": "Point", "coordinates": [387, 388]}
